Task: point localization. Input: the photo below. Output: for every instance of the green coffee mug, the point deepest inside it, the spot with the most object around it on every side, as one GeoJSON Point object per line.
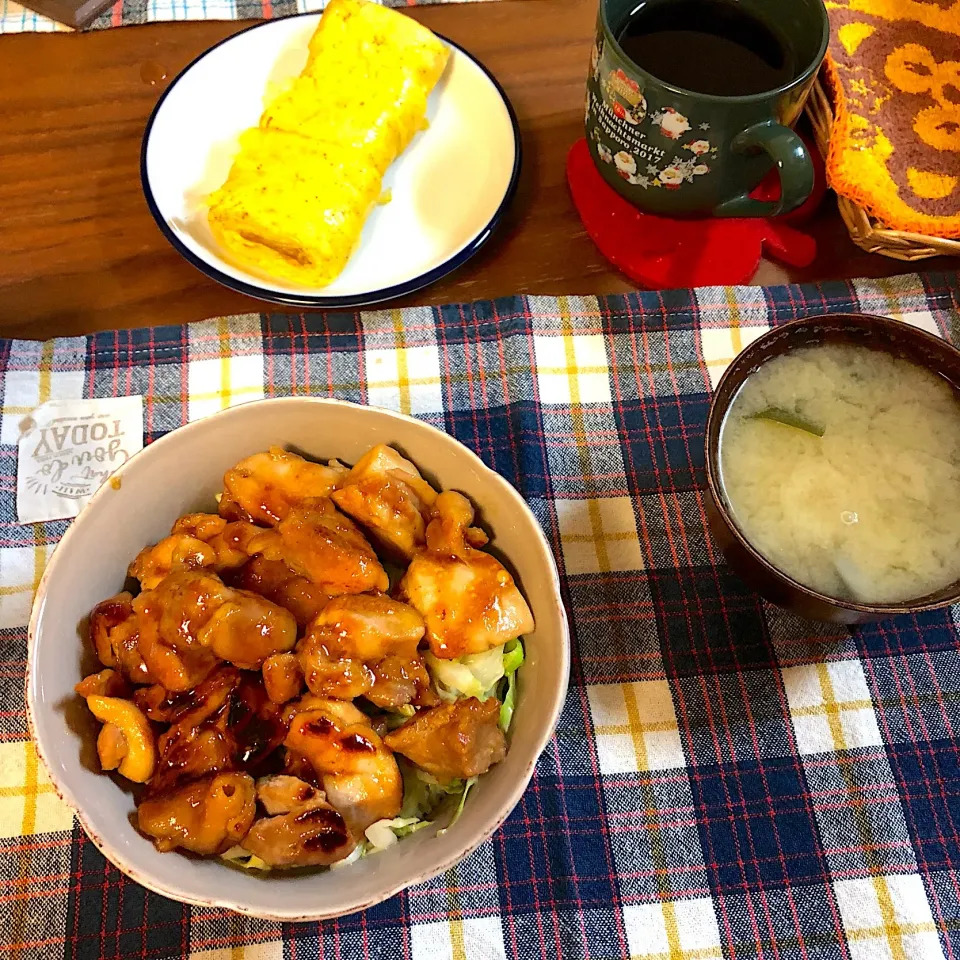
{"type": "Point", "coordinates": [676, 152]}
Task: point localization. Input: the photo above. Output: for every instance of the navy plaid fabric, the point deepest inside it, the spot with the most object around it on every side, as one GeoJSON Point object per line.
{"type": "Point", "coordinates": [726, 780]}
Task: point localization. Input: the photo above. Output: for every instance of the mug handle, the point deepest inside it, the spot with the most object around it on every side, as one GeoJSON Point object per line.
{"type": "Point", "coordinates": [793, 164]}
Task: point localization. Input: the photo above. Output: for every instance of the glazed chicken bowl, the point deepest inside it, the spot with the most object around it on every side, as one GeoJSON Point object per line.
{"type": "Point", "coordinates": [296, 657]}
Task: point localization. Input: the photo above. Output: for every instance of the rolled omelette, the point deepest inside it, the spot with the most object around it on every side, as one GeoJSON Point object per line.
{"type": "Point", "coordinates": [295, 201]}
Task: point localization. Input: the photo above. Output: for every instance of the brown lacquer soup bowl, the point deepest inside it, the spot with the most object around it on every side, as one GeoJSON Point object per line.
{"type": "Point", "coordinates": [881, 333]}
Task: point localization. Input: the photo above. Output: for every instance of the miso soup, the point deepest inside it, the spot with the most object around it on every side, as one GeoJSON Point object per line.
{"type": "Point", "coordinates": [841, 465]}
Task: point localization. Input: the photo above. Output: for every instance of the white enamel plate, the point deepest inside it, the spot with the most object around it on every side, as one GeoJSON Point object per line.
{"type": "Point", "coordinates": [449, 188]}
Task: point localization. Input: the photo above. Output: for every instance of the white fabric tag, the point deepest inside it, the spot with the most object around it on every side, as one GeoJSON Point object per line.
{"type": "Point", "coordinates": [68, 448]}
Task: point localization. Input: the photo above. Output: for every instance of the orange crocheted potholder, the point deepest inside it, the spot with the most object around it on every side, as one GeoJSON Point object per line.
{"type": "Point", "coordinates": [894, 73]}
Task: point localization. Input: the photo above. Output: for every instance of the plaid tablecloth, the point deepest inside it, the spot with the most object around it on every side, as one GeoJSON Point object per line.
{"type": "Point", "coordinates": [17, 19]}
{"type": "Point", "coordinates": [726, 781]}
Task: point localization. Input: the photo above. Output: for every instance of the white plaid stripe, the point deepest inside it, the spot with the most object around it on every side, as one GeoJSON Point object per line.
{"type": "Point", "coordinates": [599, 535]}
{"type": "Point", "coordinates": [888, 918]}
{"type": "Point", "coordinates": [28, 803]}
{"type": "Point", "coordinates": [720, 345]}
{"type": "Point", "coordinates": [20, 572]}
{"type": "Point", "coordinates": [224, 370]}
{"type": "Point", "coordinates": [268, 950]}
{"type": "Point", "coordinates": [191, 10]}
{"type": "Point", "coordinates": [673, 930]}
{"type": "Point", "coordinates": [572, 369]}
{"type": "Point", "coordinates": [475, 938]}
{"type": "Point", "coordinates": [405, 379]}
{"type": "Point", "coordinates": [16, 19]}
{"type": "Point", "coordinates": [919, 318]}
{"type": "Point", "coordinates": [831, 706]}
{"type": "Point", "coordinates": [635, 726]}
{"type": "Point", "coordinates": [24, 390]}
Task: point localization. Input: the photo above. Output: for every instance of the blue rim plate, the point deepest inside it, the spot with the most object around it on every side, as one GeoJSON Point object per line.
{"type": "Point", "coordinates": [450, 188]}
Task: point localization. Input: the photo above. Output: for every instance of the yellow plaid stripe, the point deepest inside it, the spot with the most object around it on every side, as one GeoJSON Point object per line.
{"type": "Point", "coordinates": [676, 951]}
{"type": "Point", "coordinates": [572, 369]}
{"type": "Point", "coordinates": [636, 711]}
{"type": "Point", "coordinates": [892, 931]}
{"type": "Point", "coordinates": [831, 707]}
{"type": "Point", "coordinates": [28, 805]}
{"type": "Point", "coordinates": [17, 588]}
{"type": "Point", "coordinates": [458, 946]}
{"type": "Point", "coordinates": [580, 435]}
{"type": "Point", "coordinates": [412, 371]}
{"type": "Point", "coordinates": [226, 396]}
{"type": "Point", "coordinates": [28, 802]}
{"type": "Point", "coordinates": [900, 901]}
{"type": "Point", "coordinates": [598, 535]}
{"type": "Point", "coordinates": [222, 371]}
{"type": "Point", "coordinates": [19, 411]}
{"type": "Point", "coordinates": [833, 710]}
{"type": "Point", "coordinates": [403, 367]}
{"type": "Point", "coordinates": [693, 921]}
{"type": "Point", "coordinates": [239, 928]}
{"type": "Point", "coordinates": [229, 391]}
{"type": "Point", "coordinates": [636, 726]}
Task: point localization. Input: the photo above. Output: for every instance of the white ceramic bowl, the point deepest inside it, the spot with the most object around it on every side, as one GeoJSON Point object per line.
{"type": "Point", "coordinates": [181, 472]}
{"type": "Point", "coordinates": [449, 188]}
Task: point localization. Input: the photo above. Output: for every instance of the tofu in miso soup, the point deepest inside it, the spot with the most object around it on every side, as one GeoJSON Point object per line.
{"type": "Point", "coordinates": [841, 465]}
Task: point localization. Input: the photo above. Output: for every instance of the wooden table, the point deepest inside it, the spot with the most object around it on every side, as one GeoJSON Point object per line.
{"type": "Point", "coordinates": [81, 253]}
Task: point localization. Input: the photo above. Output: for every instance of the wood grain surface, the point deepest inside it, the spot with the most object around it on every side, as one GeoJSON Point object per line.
{"type": "Point", "coordinates": [81, 253]}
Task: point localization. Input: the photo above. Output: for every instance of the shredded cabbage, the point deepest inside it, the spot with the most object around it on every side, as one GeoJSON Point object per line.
{"type": "Point", "coordinates": [244, 858]}
{"type": "Point", "coordinates": [467, 785]}
{"type": "Point", "coordinates": [385, 833]}
{"type": "Point", "coordinates": [359, 851]}
{"type": "Point", "coordinates": [512, 658]}
{"type": "Point", "coordinates": [475, 675]}
{"type": "Point", "coordinates": [423, 793]}
{"type": "Point", "coordinates": [400, 716]}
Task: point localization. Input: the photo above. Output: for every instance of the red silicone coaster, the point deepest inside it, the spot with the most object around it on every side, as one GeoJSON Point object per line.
{"type": "Point", "coordinates": [659, 252]}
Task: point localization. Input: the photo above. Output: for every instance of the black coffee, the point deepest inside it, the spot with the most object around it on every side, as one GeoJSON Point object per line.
{"type": "Point", "coordinates": [709, 46]}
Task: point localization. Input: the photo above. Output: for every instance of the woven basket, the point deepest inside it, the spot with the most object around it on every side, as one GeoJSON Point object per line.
{"type": "Point", "coordinates": [867, 233]}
